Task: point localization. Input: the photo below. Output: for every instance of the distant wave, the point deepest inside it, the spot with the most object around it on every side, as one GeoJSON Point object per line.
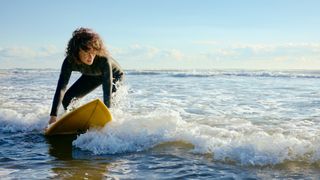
{"type": "Point", "coordinates": [277, 74]}
{"type": "Point", "coordinates": [187, 73]}
{"type": "Point", "coordinates": [143, 73]}
{"type": "Point", "coordinates": [14, 72]}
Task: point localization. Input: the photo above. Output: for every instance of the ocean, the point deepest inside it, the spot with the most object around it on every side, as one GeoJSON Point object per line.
{"type": "Point", "coordinates": [200, 124]}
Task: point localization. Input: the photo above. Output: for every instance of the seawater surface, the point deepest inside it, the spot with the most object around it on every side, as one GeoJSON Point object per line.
{"type": "Point", "coordinates": [227, 124]}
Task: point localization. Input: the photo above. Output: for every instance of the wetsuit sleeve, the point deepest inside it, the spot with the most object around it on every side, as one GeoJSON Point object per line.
{"type": "Point", "coordinates": [107, 82]}
{"type": "Point", "coordinates": [118, 74]}
{"type": "Point", "coordinates": [63, 81]}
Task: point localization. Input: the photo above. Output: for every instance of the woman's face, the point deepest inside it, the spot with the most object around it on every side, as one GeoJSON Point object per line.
{"type": "Point", "coordinates": [87, 57]}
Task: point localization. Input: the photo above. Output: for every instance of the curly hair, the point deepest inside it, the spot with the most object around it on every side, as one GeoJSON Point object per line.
{"type": "Point", "coordinates": [87, 40]}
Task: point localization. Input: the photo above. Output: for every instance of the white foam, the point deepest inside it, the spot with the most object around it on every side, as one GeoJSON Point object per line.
{"type": "Point", "coordinates": [130, 133]}
{"type": "Point", "coordinates": [244, 143]}
{"type": "Point", "coordinates": [14, 121]}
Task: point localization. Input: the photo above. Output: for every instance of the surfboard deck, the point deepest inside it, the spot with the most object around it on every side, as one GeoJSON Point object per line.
{"type": "Point", "coordinates": [94, 114]}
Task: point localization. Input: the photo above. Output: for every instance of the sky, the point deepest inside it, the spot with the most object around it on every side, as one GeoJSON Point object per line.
{"type": "Point", "coordinates": [166, 34]}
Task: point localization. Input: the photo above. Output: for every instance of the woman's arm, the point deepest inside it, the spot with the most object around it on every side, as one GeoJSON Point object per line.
{"type": "Point", "coordinates": [107, 82]}
{"type": "Point", "coordinates": [63, 81]}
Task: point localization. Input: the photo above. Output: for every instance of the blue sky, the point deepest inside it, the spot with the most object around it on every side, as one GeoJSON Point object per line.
{"type": "Point", "coordinates": [166, 34]}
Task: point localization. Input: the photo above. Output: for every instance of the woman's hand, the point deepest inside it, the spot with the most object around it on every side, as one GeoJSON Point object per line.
{"type": "Point", "coordinates": [52, 119]}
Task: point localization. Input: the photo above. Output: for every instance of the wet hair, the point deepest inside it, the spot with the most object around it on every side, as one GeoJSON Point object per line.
{"type": "Point", "coordinates": [87, 40]}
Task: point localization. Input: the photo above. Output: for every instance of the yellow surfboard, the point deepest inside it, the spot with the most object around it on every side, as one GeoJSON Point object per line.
{"type": "Point", "coordinates": [91, 115]}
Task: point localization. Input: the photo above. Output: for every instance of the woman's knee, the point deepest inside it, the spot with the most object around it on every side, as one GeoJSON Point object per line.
{"type": "Point", "coordinates": [68, 96]}
{"type": "Point", "coordinates": [65, 102]}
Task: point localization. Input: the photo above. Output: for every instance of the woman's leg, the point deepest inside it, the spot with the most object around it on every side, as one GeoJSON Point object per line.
{"type": "Point", "coordinates": [84, 85]}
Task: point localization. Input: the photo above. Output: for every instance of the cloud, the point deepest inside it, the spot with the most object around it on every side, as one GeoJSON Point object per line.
{"type": "Point", "coordinates": [21, 52]}
{"type": "Point", "coordinates": [47, 56]}
{"type": "Point", "coordinates": [136, 51]}
{"type": "Point", "coordinates": [16, 52]}
{"type": "Point", "coordinates": [210, 55]}
{"type": "Point", "coordinates": [172, 54]}
{"type": "Point", "coordinates": [275, 48]}
{"type": "Point", "coordinates": [139, 56]}
{"type": "Point", "coordinates": [205, 43]}
{"type": "Point", "coordinates": [143, 52]}
{"type": "Point", "coordinates": [242, 50]}
{"type": "Point", "coordinates": [259, 55]}
{"type": "Point", "coordinates": [213, 54]}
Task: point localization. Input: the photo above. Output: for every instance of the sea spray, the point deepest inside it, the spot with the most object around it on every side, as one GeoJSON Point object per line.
{"type": "Point", "coordinates": [14, 121]}
{"type": "Point", "coordinates": [249, 145]}
{"type": "Point", "coordinates": [131, 133]}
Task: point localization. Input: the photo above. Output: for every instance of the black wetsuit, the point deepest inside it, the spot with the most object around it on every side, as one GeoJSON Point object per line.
{"type": "Point", "coordinates": [104, 70]}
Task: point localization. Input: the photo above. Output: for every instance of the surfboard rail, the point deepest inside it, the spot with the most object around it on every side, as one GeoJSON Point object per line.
{"type": "Point", "coordinates": [93, 114]}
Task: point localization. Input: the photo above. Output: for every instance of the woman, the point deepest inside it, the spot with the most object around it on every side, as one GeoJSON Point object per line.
{"type": "Point", "coordinates": [86, 53]}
